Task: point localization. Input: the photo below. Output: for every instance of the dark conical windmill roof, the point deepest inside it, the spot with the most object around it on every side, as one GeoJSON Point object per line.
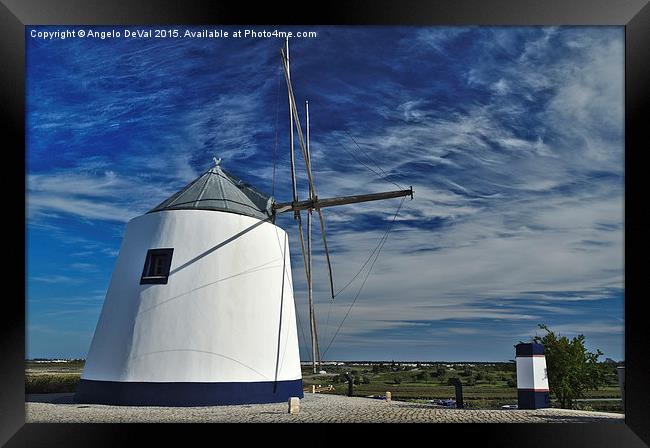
{"type": "Point", "coordinates": [216, 189]}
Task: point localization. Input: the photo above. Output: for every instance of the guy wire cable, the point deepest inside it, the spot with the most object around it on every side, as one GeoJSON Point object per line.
{"type": "Point", "coordinates": [385, 174]}
{"type": "Point", "coordinates": [366, 277]}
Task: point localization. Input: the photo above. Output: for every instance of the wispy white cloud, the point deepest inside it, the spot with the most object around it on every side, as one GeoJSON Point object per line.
{"type": "Point", "coordinates": [101, 195]}
{"type": "Point", "coordinates": [56, 279]}
{"type": "Point", "coordinates": [596, 327]}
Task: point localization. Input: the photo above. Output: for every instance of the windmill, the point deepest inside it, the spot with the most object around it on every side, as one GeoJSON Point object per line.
{"type": "Point", "coordinates": [200, 308]}
{"type": "Point", "coordinates": [313, 202]}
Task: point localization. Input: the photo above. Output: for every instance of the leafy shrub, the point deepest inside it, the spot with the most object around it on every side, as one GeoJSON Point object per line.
{"type": "Point", "coordinates": [491, 378]}
{"type": "Point", "coordinates": [341, 378]}
{"type": "Point", "coordinates": [571, 369]}
{"type": "Point", "coordinates": [584, 407]}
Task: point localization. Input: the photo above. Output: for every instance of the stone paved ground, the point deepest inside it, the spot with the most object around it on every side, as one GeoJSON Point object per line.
{"type": "Point", "coordinates": [59, 408]}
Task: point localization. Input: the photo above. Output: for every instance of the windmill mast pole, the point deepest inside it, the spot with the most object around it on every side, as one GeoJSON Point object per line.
{"type": "Point", "coordinates": [310, 284]}
{"type": "Point", "coordinates": [311, 299]}
{"type": "Point", "coordinates": [311, 190]}
{"type": "Point", "coordinates": [296, 214]}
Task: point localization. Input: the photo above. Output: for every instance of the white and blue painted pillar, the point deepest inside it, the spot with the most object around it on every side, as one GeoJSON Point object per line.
{"type": "Point", "coordinates": [532, 380]}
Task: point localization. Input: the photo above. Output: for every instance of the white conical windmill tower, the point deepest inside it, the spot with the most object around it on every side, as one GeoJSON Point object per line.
{"type": "Point", "coordinates": [198, 310]}
{"type": "Point", "coordinates": [200, 307]}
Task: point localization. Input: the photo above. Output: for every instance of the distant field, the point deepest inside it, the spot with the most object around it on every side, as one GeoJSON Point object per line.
{"type": "Point", "coordinates": [485, 386]}
{"type": "Point", "coordinates": [479, 397]}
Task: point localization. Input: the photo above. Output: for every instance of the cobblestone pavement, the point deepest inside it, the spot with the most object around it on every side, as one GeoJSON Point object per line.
{"type": "Point", "coordinates": [316, 408]}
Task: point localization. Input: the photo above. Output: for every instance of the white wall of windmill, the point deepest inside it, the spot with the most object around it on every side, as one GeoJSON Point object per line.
{"type": "Point", "coordinates": [218, 317]}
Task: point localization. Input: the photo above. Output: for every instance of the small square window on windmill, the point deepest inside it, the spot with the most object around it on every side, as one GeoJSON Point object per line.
{"type": "Point", "coordinates": [156, 266]}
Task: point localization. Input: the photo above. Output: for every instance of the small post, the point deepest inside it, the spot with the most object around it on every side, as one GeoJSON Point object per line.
{"type": "Point", "coordinates": [350, 379]}
{"type": "Point", "coordinates": [313, 389]}
{"type": "Point", "coordinates": [294, 405]}
{"type": "Point", "coordinates": [388, 396]}
{"type": "Point", "coordinates": [459, 392]}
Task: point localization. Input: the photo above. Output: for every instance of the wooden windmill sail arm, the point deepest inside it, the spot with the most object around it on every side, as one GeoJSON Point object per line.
{"type": "Point", "coordinates": [294, 111]}
{"type": "Point", "coordinates": [302, 246]}
{"type": "Point", "coordinates": [327, 252]}
{"type": "Point", "coordinates": [331, 202]}
{"type": "Point", "coordinates": [293, 168]}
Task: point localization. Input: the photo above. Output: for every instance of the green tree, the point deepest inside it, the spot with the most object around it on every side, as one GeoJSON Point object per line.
{"type": "Point", "coordinates": [571, 369]}
{"type": "Point", "coordinates": [339, 379]}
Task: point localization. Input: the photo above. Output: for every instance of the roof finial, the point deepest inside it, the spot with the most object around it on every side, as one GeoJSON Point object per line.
{"type": "Point", "coordinates": [216, 161]}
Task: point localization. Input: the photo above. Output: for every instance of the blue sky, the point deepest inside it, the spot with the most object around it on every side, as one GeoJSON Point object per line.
{"type": "Point", "coordinates": [511, 137]}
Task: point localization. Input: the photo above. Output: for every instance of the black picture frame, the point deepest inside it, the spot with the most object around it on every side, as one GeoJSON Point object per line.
{"type": "Point", "coordinates": [633, 14]}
